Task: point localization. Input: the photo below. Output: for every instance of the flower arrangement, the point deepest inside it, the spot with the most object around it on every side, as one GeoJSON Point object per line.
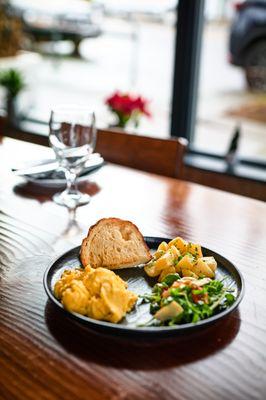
{"type": "Point", "coordinates": [127, 108]}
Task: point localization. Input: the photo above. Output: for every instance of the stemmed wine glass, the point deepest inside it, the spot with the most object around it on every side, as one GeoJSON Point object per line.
{"type": "Point", "coordinates": [72, 136]}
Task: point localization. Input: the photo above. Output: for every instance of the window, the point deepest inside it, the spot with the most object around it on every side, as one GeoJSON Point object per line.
{"type": "Point", "coordinates": [82, 51]}
{"type": "Point", "coordinates": [225, 100]}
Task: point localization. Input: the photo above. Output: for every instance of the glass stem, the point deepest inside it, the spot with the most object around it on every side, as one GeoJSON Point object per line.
{"type": "Point", "coordinates": [72, 216]}
{"type": "Point", "coordinates": [71, 181]}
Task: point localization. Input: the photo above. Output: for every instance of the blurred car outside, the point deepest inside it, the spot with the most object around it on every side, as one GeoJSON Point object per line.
{"type": "Point", "coordinates": [248, 42]}
{"type": "Point", "coordinates": [54, 20]}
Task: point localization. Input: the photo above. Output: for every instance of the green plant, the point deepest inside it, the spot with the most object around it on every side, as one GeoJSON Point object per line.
{"type": "Point", "coordinates": [12, 80]}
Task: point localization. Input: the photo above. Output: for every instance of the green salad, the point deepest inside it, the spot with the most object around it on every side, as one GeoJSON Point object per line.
{"type": "Point", "coordinates": [184, 300]}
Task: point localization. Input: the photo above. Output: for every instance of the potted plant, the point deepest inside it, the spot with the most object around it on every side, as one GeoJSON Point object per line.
{"type": "Point", "coordinates": [12, 80]}
{"type": "Point", "coordinates": [127, 108]}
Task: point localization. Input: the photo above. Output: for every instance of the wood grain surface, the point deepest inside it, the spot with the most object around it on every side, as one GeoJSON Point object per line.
{"type": "Point", "coordinates": [43, 355]}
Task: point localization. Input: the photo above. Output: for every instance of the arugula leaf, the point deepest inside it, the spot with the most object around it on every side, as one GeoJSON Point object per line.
{"type": "Point", "coordinates": [230, 298]}
{"type": "Point", "coordinates": [170, 279]}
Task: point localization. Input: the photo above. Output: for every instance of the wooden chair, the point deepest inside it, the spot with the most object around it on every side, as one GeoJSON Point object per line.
{"type": "Point", "coordinates": [159, 156]}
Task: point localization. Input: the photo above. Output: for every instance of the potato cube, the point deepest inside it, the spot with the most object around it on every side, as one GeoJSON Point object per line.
{"type": "Point", "coordinates": [179, 243]}
{"type": "Point", "coordinates": [188, 272]}
{"type": "Point", "coordinates": [186, 262]}
{"type": "Point", "coordinates": [155, 267]}
{"type": "Point", "coordinates": [163, 246]}
{"type": "Point", "coordinates": [158, 254]}
{"type": "Point", "coordinates": [170, 311]}
{"type": "Point", "coordinates": [167, 260]}
{"type": "Point", "coordinates": [151, 270]}
{"type": "Point", "coordinates": [201, 268]}
{"type": "Point", "coordinates": [164, 261]}
{"type": "Point", "coordinates": [211, 262]}
{"type": "Point", "coordinates": [174, 251]}
{"type": "Point", "coordinates": [194, 249]}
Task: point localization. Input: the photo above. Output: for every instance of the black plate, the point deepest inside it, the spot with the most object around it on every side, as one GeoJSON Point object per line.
{"type": "Point", "coordinates": [140, 283]}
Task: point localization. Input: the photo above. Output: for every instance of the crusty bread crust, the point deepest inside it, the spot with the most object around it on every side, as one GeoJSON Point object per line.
{"type": "Point", "coordinates": [135, 259]}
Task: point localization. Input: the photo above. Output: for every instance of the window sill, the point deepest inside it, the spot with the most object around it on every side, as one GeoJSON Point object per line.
{"type": "Point", "coordinates": [218, 165]}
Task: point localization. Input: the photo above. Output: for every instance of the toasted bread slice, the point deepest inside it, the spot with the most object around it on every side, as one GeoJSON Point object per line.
{"type": "Point", "coordinates": [113, 243]}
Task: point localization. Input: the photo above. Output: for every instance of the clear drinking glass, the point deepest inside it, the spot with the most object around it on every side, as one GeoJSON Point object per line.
{"type": "Point", "coordinates": [72, 137]}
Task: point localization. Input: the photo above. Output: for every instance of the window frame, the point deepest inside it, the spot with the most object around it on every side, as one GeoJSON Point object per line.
{"type": "Point", "coordinates": [189, 30]}
{"type": "Point", "coordinates": [188, 46]}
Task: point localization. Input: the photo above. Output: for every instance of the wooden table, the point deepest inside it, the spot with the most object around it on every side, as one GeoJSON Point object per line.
{"type": "Point", "coordinates": [45, 356]}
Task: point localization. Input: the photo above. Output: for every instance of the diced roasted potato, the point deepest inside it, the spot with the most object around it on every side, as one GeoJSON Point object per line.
{"type": "Point", "coordinates": [179, 243]}
{"type": "Point", "coordinates": [180, 257]}
{"type": "Point", "coordinates": [194, 249]}
{"type": "Point", "coordinates": [158, 254]}
{"type": "Point", "coordinates": [165, 261]}
{"type": "Point", "coordinates": [170, 311]}
{"type": "Point", "coordinates": [165, 272]}
{"type": "Point", "coordinates": [163, 246]}
{"type": "Point", "coordinates": [174, 251]}
{"type": "Point", "coordinates": [211, 262]}
{"type": "Point", "coordinates": [201, 268]}
{"type": "Point", "coordinates": [150, 269]}
{"type": "Point", "coordinates": [186, 262]}
{"type": "Point", "coordinates": [188, 272]}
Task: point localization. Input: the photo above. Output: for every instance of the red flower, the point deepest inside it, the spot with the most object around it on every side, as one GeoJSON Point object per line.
{"type": "Point", "coordinates": [127, 105]}
{"type": "Point", "coordinates": [141, 105]}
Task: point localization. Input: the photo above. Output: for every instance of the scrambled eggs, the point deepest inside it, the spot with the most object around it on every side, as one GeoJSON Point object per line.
{"type": "Point", "coordinates": [98, 293]}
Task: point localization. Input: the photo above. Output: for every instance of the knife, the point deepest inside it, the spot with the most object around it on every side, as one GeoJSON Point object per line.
{"type": "Point", "coordinates": [49, 166]}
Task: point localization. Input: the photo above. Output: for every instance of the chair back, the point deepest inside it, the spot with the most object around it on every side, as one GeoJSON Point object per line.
{"type": "Point", "coordinates": [159, 156]}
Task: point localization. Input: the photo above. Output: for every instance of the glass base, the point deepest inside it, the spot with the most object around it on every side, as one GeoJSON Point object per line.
{"type": "Point", "coordinates": [71, 200]}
